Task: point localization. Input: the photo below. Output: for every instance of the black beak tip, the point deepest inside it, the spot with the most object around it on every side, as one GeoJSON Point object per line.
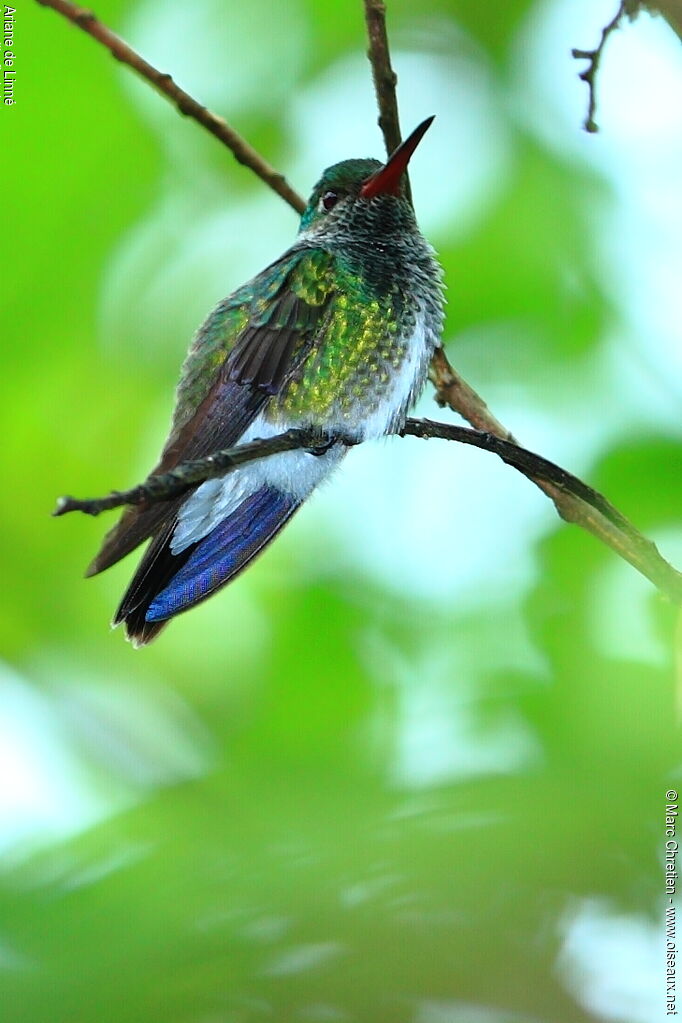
{"type": "Point", "coordinates": [415, 137]}
{"type": "Point", "coordinates": [422, 128]}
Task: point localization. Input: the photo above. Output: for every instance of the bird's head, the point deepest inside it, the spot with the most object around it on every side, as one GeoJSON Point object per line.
{"type": "Point", "coordinates": [349, 190]}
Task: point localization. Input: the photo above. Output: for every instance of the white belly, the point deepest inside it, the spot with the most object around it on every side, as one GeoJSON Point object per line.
{"type": "Point", "coordinates": [296, 473]}
{"type": "Point", "coordinates": [404, 388]}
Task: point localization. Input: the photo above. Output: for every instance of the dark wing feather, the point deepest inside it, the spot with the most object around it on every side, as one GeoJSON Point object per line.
{"type": "Point", "coordinates": [243, 354]}
{"type": "Point", "coordinates": [264, 351]}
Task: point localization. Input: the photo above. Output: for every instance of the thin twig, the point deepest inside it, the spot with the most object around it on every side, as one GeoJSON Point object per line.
{"type": "Point", "coordinates": [607, 522]}
{"type": "Point", "coordinates": [242, 151]}
{"type": "Point", "coordinates": [384, 77]}
{"type": "Point", "coordinates": [189, 474]}
{"type": "Point", "coordinates": [671, 10]}
{"type": "Point", "coordinates": [589, 75]}
{"type": "Point", "coordinates": [455, 393]}
{"type": "Point", "coordinates": [183, 477]}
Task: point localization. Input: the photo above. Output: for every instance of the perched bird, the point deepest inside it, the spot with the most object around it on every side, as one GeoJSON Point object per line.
{"type": "Point", "coordinates": [336, 334]}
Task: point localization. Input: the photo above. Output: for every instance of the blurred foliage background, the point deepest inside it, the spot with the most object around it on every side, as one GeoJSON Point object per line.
{"type": "Point", "coordinates": [412, 766]}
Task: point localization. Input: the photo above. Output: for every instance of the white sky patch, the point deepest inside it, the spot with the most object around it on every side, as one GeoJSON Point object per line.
{"type": "Point", "coordinates": [621, 619]}
{"type": "Point", "coordinates": [435, 735]}
{"type": "Point", "coordinates": [613, 964]}
{"type": "Point", "coordinates": [53, 736]}
{"type": "Point", "coordinates": [638, 150]}
{"type": "Point", "coordinates": [45, 794]}
{"type": "Point", "coordinates": [465, 1012]}
{"type": "Point", "coordinates": [221, 54]}
{"type": "Point", "coordinates": [302, 958]}
{"type": "Point", "coordinates": [144, 738]}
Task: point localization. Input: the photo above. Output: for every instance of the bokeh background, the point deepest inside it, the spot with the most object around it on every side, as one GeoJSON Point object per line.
{"type": "Point", "coordinates": [412, 766]}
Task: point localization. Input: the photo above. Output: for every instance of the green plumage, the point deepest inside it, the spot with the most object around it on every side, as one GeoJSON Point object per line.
{"type": "Point", "coordinates": [347, 348]}
{"type": "Point", "coordinates": [349, 370]}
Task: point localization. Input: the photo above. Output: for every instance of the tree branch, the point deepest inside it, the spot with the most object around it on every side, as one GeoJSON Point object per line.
{"type": "Point", "coordinates": [242, 151]}
{"type": "Point", "coordinates": [606, 521]}
{"type": "Point", "coordinates": [589, 75]}
{"type": "Point", "coordinates": [384, 77]}
{"type": "Point", "coordinates": [189, 474]}
{"type": "Point", "coordinates": [671, 10]}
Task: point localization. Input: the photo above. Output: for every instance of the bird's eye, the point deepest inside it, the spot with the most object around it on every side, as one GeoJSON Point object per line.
{"type": "Point", "coordinates": [329, 200]}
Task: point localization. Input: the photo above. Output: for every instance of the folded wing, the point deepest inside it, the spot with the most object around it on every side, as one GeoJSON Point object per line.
{"type": "Point", "coordinates": [244, 354]}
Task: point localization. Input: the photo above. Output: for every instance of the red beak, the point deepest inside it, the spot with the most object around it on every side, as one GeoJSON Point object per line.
{"type": "Point", "coordinates": [386, 181]}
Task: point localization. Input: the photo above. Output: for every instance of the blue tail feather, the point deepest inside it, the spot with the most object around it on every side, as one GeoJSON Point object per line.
{"type": "Point", "coordinates": [228, 548]}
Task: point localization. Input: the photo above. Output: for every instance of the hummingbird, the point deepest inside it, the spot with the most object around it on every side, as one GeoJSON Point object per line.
{"type": "Point", "coordinates": [337, 335]}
